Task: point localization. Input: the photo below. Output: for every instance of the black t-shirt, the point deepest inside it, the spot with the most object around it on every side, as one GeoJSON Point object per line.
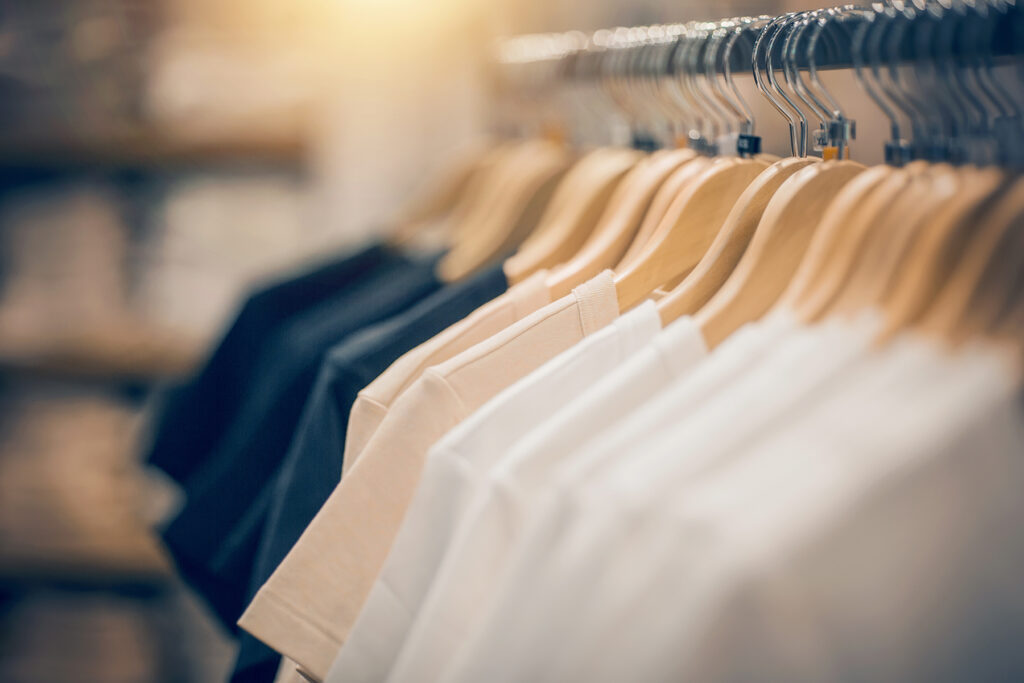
{"type": "Point", "coordinates": [312, 467]}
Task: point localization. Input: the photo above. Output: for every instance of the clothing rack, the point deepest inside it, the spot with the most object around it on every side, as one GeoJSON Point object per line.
{"type": "Point", "coordinates": [903, 56]}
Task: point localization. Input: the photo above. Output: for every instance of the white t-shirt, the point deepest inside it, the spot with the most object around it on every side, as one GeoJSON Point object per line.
{"type": "Point", "coordinates": [719, 496]}
{"type": "Point", "coordinates": [453, 473]}
{"type": "Point", "coordinates": [566, 544]}
{"type": "Point", "coordinates": [475, 558]}
{"type": "Point", "coordinates": [888, 544]}
{"type": "Point", "coordinates": [690, 588]}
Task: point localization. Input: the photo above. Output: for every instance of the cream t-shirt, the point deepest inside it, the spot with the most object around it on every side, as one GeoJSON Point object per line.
{"type": "Point", "coordinates": [456, 467]}
{"type": "Point", "coordinates": [373, 402]}
{"type": "Point", "coordinates": [307, 607]}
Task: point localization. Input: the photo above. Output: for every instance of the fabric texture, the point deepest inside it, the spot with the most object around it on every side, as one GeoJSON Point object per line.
{"type": "Point", "coordinates": [313, 464]}
{"type": "Point", "coordinates": [307, 607]}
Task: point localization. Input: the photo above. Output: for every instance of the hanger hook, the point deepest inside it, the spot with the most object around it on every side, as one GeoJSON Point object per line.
{"type": "Point", "coordinates": [716, 119]}
{"type": "Point", "coordinates": [787, 25]}
{"type": "Point", "coordinates": [791, 72]}
{"type": "Point", "coordinates": [932, 146]}
{"type": "Point", "coordinates": [717, 40]}
{"type": "Point", "coordinates": [897, 150]}
{"type": "Point", "coordinates": [759, 53]}
{"type": "Point", "coordinates": [747, 24]}
{"type": "Point", "coordinates": [840, 128]}
{"type": "Point", "coordinates": [957, 33]}
{"type": "Point", "coordinates": [927, 51]}
{"type": "Point", "coordinates": [887, 18]}
{"type": "Point", "coordinates": [685, 66]}
{"type": "Point", "coordinates": [679, 88]}
{"type": "Point", "coordinates": [828, 21]}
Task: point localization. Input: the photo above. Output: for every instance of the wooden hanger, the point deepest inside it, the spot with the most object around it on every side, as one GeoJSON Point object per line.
{"type": "Point", "coordinates": [486, 189]}
{"type": "Point", "coordinates": [620, 222]}
{"type": "Point", "coordinates": [725, 252]}
{"type": "Point", "coordinates": [481, 189]}
{"type": "Point", "coordinates": [949, 314]}
{"type": "Point", "coordinates": [530, 184]}
{"type": "Point", "coordinates": [997, 307]}
{"type": "Point", "coordinates": [892, 237]}
{"type": "Point", "coordinates": [943, 238]}
{"type": "Point", "coordinates": [569, 185]}
{"type": "Point", "coordinates": [446, 187]}
{"type": "Point", "coordinates": [566, 233]}
{"type": "Point", "coordinates": [839, 239]}
{"type": "Point", "coordinates": [667, 193]}
{"type": "Point", "coordinates": [688, 228]}
{"type": "Point", "coordinates": [778, 245]}
{"type": "Point", "coordinates": [572, 182]}
{"type": "Point", "coordinates": [1007, 328]}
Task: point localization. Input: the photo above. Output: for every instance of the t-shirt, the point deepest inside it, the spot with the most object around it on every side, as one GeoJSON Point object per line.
{"type": "Point", "coordinates": [312, 467]}
{"type": "Point", "coordinates": [499, 516]}
{"type": "Point", "coordinates": [816, 549]}
{"type": "Point", "coordinates": [225, 488]}
{"type": "Point", "coordinates": [454, 471]}
{"type": "Point", "coordinates": [563, 533]}
{"type": "Point", "coordinates": [192, 417]}
{"type": "Point", "coordinates": [307, 607]}
{"type": "Point", "coordinates": [805, 365]}
{"type": "Point", "coordinates": [373, 402]}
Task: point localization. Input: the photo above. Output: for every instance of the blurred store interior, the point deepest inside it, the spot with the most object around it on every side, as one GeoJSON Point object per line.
{"type": "Point", "coordinates": [157, 158]}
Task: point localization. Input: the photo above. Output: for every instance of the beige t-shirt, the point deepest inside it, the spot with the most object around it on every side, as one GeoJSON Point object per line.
{"type": "Point", "coordinates": [307, 607]}
{"type": "Point", "coordinates": [373, 402]}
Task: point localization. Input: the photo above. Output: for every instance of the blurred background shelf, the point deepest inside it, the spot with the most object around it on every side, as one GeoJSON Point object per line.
{"type": "Point", "coordinates": [155, 149]}
{"type": "Point", "coordinates": [125, 354]}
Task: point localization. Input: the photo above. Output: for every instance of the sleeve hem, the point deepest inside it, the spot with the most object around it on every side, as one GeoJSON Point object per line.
{"type": "Point", "coordinates": [278, 625]}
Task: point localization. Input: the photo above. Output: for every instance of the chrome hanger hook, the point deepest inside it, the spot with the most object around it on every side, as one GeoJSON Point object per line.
{"type": "Point", "coordinates": [840, 128]}
{"type": "Point", "coordinates": [787, 24]}
{"type": "Point", "coordinates": [897, 149]}
{"type": "Point", "coordinates": [747, 25]}
{"type": "Point", "coordinates": [761, 46]}
{"type": "Point", "coordinates": [791, 72]}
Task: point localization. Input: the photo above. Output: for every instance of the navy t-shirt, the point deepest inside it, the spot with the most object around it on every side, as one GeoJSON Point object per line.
{"type": "Point", "coordinates": [224, 481]}
{"type": "Point", "coordinates": [313, 464]}
{"type": "Point", "coordinates": [193, 415]}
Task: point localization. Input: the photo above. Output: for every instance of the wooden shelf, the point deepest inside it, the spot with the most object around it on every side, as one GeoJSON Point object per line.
{"type": "Point", "coordinates": [133, 355]}
{"type": "Point", "coordinates": [153, 149]}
